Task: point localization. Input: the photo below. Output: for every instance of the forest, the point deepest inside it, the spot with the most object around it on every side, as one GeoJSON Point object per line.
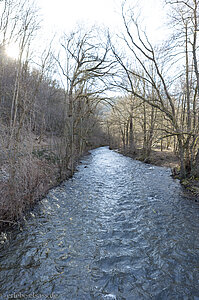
{"type": "Point", "coordinates": [94, 88]}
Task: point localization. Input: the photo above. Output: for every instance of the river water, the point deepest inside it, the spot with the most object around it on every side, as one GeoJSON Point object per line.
{"type": "Point", "coordinates": [119, 229]}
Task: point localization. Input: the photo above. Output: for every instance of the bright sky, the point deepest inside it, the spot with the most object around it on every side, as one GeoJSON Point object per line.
{"type": "Point", "coordinates": [63, 15]}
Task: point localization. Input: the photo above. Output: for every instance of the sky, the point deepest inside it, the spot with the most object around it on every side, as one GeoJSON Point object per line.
{"type": "Point", "coordinates": [63, 15]}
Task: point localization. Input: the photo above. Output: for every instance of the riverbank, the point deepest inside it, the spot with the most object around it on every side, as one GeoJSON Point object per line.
{"type": "Point", "coordinates": [168, 159]}
{"type": "Point", "coordinates": [164, 158]}
{"type": "Point", "coordinates": [31, 181]}
{"type": "Point", "coordinates": [28, 181]}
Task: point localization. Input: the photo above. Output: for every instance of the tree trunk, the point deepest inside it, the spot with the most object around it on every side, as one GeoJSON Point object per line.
{"type": "Point", "coordinates": [131, 137]}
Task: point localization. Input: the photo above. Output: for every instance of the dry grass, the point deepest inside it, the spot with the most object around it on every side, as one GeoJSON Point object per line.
{"type": "Point", "coordinates": [164, 158]}
{"type": "Point", "coordinates": [27, 173]}
{"type": "Point", "coordinates": [28, 181]}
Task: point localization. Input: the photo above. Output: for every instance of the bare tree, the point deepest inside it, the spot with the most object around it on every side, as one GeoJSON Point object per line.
{"type": "Point", "coordinates": [29, 25]}
{"type": "Point", "coordinates": [84, 65]}
{"type": "Point", "coordinates": [156, 70]}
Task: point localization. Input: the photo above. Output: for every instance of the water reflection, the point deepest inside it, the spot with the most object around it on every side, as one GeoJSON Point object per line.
{"type": "Point", "coordinates": [119, 229]}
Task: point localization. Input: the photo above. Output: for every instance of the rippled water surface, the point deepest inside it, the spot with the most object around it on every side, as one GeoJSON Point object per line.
{"type": "Point", "coordinates": [119, 229]}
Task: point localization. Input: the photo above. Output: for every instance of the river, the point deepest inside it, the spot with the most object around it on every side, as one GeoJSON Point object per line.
{"type": "Point", "coordinates": [119, 229]}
